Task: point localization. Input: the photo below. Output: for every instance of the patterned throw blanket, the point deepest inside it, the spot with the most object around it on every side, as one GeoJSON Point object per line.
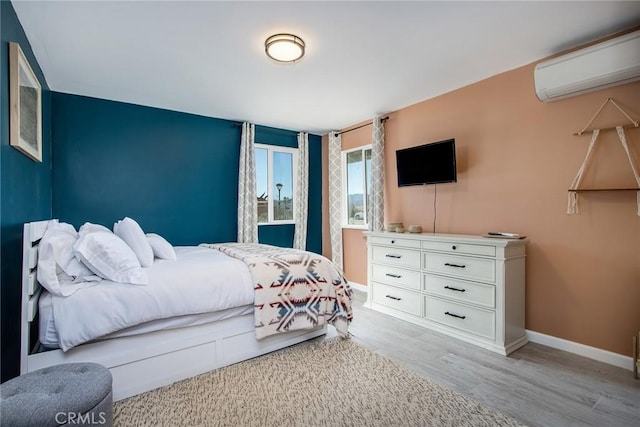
{"type": "Point", "coordinates": [293, 289]}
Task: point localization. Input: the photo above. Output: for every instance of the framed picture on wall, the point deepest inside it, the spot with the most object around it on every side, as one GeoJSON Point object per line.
{"type": "Point", "coordinates": [25, 99]}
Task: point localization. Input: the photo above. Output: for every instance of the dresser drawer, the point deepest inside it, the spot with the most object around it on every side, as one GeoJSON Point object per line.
{"type": "Point", "coordinates": [460, 248]}
{"type": "Point", "coordinates": [468, 268]}
{"type": "Point", "coordinates": [396, 256]}
{"type": "Point", "coordinates": [474, 320]}
{"type": "Point", "coordinates": [469, 292]}
{"type": "Point", "coordinates": [400, 299]}
{"type": "Point", "coordinates": [394, 241]}
{"type": "Point", "coordinates": [396, 276]}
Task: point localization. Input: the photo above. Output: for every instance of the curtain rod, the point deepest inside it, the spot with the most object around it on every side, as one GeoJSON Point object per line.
{"type": "Point", "coordinates": [270, 130]}
{"type": "Point", "coordinates": [384, 119]}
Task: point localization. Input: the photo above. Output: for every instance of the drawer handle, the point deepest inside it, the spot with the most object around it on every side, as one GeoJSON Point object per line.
{"type": "Point", "coordinates": [393, 256]}
{"type": "Point", "coordinates": [454, 247]}
{"type": "Point", "coordinates": [455, 289]}
{"type": "Point", "coordinates": [448, 264]}
{"type": "Point", "coordinates": [455, 315]}
{"type": "Point", "coordinates": [395, 276]}
{"type": "Point", "coordinates": [393, 241]}
{"type": "Point", "coordinates": [393, 298]}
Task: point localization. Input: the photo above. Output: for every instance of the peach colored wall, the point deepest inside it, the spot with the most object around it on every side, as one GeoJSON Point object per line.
{"type": "Point", "coordinates": [516, 159]}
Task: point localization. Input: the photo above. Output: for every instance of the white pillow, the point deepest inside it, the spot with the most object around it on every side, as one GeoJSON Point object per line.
{"type": "Point", "coordinates": [129, 231]}
{"type": "Point", "coordinates": [109, 257]}
{"type": "Point", "coordinates": [88, 227]}
{"type": "Point", "coordinates": [161, 248]}
{"type": "Point", "coordinates": [58, 269]}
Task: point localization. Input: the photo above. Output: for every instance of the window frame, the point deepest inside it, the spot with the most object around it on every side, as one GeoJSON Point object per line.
{"type": "Point", "coordinates": [270, 196]}
{"type": "Point", "coordinates": [345, 192]}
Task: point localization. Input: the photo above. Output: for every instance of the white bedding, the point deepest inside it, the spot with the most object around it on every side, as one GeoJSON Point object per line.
{"type": "Point", "coordinates": [200, 280]}
{"type": "Point", "coordinates": [48, 333]}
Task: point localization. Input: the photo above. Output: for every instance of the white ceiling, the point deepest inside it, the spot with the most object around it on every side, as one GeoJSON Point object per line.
{"type": "Point", "coordinates": [363, 57]}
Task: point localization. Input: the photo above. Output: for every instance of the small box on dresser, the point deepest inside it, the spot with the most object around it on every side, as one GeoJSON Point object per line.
{"type": "Point", "coordinates": [469, 287]}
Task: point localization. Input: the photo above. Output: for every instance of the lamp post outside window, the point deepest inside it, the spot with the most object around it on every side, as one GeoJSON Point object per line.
{"type": "Point", "coordinates": [279, 187]}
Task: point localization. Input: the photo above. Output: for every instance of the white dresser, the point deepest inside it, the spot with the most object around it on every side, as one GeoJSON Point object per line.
{"type": "Point", "coordinates": [468, 287]}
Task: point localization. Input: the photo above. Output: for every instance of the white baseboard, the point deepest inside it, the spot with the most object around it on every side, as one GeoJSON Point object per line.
{"type": "Point", "coordinates": [359, 286]}
{"type": "Point", "coordinates": [594, 353]}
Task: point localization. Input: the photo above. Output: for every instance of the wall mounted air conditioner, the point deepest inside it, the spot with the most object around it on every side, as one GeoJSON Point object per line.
{"type": "Point", "coordinates": [610, 63]}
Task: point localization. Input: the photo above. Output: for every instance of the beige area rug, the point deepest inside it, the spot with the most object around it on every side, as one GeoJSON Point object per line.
{"type": "Point", "coordinates": [334, 382]}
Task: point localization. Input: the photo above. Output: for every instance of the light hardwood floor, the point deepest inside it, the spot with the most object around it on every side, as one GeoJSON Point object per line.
{"type": "Point", "coordinates": [538, 385]}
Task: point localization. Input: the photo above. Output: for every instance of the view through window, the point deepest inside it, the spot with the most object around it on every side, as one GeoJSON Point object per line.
{"type": "Point", "coordinates": [275, 171]}
{"type": "Point", "coordinates": [357, 165]}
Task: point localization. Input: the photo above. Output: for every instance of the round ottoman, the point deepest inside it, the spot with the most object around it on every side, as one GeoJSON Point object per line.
{"type": "Point", "coordinates": [76, 394]}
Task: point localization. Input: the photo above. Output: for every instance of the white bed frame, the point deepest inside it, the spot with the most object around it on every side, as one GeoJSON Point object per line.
{"type": "Point", "coordinates": [144, 362]}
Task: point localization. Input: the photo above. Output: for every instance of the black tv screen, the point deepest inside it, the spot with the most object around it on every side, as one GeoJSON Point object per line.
{"type": "Point", "coordinates": [427, 164]}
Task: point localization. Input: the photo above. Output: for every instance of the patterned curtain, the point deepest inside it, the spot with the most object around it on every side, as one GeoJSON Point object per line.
{"type": "Point", "coordinates": [335, 197]}
{"type": "Point", "coordinates": [302, 193]}
{"type": "Point", "coordinates": [375, 214]}
{"type": "Point", "coordinates": [247, 199]}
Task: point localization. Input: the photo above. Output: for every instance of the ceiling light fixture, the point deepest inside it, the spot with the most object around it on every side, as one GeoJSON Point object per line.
{"type": "Point", "coordinates": [284, 47]}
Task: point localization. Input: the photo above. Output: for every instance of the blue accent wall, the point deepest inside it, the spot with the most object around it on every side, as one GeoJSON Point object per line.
{"type": "Point", "coordinates": [25, 189]}
{"type": "Point", "coordinates": [174, 173]}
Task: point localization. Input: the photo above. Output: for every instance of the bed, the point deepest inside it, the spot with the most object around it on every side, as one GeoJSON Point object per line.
{"type": "Point", "coordinates": [144, 351]}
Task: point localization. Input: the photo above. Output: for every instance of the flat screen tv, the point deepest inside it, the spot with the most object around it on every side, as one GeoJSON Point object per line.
{"type": "Point", "coordinates": [433, 163]}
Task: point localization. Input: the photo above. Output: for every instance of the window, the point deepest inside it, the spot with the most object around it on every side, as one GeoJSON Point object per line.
{"type": "Point", "coordinates": [356, 167]}
{"type": "Point", "coordinates": [275, 183]}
